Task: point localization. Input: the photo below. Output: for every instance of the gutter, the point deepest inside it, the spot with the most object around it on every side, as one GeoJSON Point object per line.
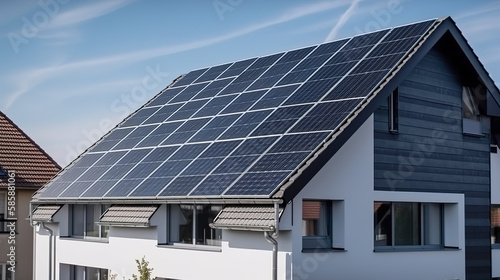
{"type": "Point", "coordinates": [183, 200]}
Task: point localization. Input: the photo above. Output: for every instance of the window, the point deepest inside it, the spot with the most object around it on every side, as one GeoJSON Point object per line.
{"type": "Point", "coordinates": [394, 112]}
{"type": "Point", "coordinates": [190, 224]}
{"type": "Point", "coordinates": [88, 273]}
{"type": "Point", "coordinates": [400, 224]}
{"type": "Point", "coordinates": [3, 213]}
{"type": "Point", "coordinates": [471, 118]}
{"type": "Point", "coordinates": [84, 221]}
{"type": "Point", "coordinates": [316, 224]}
{"type": "Point", "coordinates": [5, 273]}
{"type": "Point", "coordinates": [495, 225]}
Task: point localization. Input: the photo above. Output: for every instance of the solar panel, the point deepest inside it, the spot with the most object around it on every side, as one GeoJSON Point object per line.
{"type": "Point", "coordinates": [237, 129]}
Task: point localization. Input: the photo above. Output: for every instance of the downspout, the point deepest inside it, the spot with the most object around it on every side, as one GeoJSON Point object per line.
{"type": "Point", "coordinates": [271, 238]}
{"type": "Point", "coordinates": [33, 276]}
{"type": "Point", "coordinates": [51, 233]}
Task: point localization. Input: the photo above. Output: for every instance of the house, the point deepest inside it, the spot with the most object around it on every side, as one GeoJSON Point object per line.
{"type": "Point", "coordinates": [24, 168]}
{"type": "Point", "coordinates": [371, 157]}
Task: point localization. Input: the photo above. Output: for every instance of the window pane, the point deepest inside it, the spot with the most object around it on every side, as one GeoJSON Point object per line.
{"type": "Point", "coordinates": [433, 224]}
{"type": "Point", "coordinates": [383, 223]}
{"type": "Point", "coordinates": [104, 274]}
{"type": "Point", "coordinates": [204, 234]}
{"type": "Point", "coordinates": [181, 224]}
{"type": "Point", "coordinates": [92, 273]}
{"type": "Point", "coordinates": [406, 224]}
{"type": "Point", "coordinates": [469, 106]}
{"type": "Point", "coordinates": [315, 218]}
{"type": "Point", "coordinates": [495, 224]}
{"type": "Point", "coordinates": [78, 219]}
{"type": "Point", "coordinates": [93, 214]}
{"type": "Point", "coordinates": [104, 229]}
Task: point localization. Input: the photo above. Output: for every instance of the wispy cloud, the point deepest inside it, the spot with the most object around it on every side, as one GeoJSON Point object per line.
{"type": "Point", "coordinates": [88, 12]}
{"type": "Point", "coordinates": [343, 20]}
{"type": "Point", "coordinates": [481, 9]}
{"type": "Point", "coordinates": [130, 57]}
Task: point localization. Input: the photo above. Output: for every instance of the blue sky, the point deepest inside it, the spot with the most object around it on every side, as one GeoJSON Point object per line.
{"type": "Point", "coordinates": [71, 70]}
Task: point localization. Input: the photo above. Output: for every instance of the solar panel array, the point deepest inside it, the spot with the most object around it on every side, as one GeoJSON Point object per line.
{"type": "Point", "coordinates": [238, 129]}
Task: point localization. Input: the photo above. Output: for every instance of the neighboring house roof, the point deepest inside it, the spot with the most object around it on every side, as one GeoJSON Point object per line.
{"type": "Point", "coordinates": [45, 213]}
{"type": "Point", "coordinates": [255, 218]}
{"type": "Point", "coordinates": [255, 129]}
{"type": "Point", "coordinates": [19, 153]}
{"type": "Point", "coordinates": [128, 216]}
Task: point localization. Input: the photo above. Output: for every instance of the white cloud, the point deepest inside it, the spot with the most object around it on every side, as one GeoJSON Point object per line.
{"type": "Point", "coordinates": [343, 20]}
{"type": "Point", "coordinates": [87, 12]}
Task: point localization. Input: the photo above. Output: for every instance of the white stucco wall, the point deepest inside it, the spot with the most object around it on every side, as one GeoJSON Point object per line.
{"type": "Point", "coordinates": [348, 176]}
{"type": "Point", "coordinates": [243, 255]}
{"type": "Point", "coordinates": [495, 199]}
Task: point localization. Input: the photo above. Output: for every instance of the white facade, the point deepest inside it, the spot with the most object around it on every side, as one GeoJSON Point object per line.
{"type": "Point", "coordinates": [495, 199]}
{"type": "Point", "coordinates": [347, 179]}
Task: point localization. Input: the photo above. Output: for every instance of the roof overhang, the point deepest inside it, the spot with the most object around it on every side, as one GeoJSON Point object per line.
{"type": "Point", "coordinates": [45, 213]}
{"type": "Point", "coordinates": [128, 216]}
{"type": "Point", "coordinates": [248, 218]}
{"type": "Point", "coordinates": [149, 201]}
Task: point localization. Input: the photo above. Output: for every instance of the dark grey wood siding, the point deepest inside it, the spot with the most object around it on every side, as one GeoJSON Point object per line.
{"type": "Point", "coordinates": [431, 154]}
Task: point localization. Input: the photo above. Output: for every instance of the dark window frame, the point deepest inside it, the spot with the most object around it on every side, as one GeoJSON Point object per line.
{"type": "Point", "coordinates": [318, 242]}
{"type": "Point", "coordinates": [199, 219]}
{"type": "Point", "coordinates": [393, 112]}
{"type": "Point", "coordinates": [423, 229]}
{"type": "Point", "coordinates": [102, 230]}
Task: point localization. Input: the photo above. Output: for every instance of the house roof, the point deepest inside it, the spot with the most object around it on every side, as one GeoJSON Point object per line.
{"type": "Point", "coordinates": [131, 216]}
{"type": "Point", "coordinates": [260, 128]}
{"type": "Point", "coordinates": [255, 218]}
{"type": "Point", "coordinates": [19, 153]}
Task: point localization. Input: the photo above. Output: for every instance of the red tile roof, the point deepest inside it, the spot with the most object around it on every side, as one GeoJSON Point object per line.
{"type": "Point", "coordinates": [33, 167]}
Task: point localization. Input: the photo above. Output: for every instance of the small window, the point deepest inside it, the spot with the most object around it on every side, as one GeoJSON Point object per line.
{"type": "Point", "coordinates": [316, 224]}
{"type": "Point", "coordinates": [471, 117]}
{"type": "Point", "coordinates": [495, 225]}
{"type": "Point", "coordinates": [394, 112]}
{"type": "Point", "coordinates": [85, 218]}
{"type": "Point", "coordinates": [190, 224]}
{"type": "Point", "coordinates": [3, 213]}
{"type": "Point", "coordinates": [399, 224]}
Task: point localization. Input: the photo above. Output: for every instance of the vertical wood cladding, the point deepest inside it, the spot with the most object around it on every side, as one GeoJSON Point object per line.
{"type": "Point", "coordinates": [431, 154]}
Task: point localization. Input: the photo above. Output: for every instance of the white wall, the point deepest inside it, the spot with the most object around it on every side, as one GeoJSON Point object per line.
{"type": "Point", "coordinates": [495, 199]}
{"type": "Point", "coordinates": [349, 176]}
{"type": "Point", "coordinates": [243, 255]}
